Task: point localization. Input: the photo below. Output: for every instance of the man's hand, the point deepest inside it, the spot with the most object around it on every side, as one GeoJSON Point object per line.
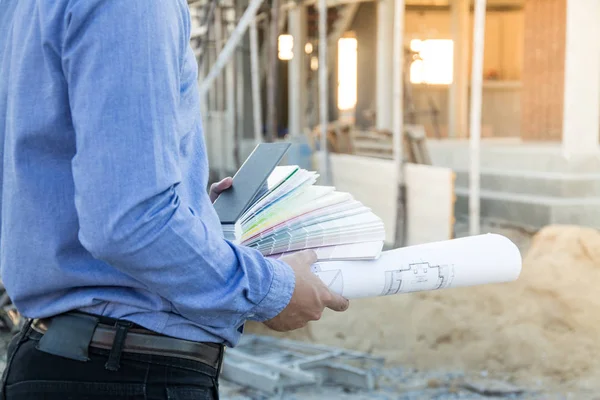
{"type": "Point", "coordinates": [217, 188]}
{"type": "Point", "coordinates": [310, 297]}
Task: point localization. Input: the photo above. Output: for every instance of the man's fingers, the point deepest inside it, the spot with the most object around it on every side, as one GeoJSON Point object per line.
{"type": "Point", "coordinates": [337, 302]}
{"type": "Point", "coordinates": [308, 256]}
{"type": "Point", "coordinates": [223, 185]}
{"type": "Point", "coordinates": [304, 258]}
{"type": "Point", "coordinates": [217, 188]}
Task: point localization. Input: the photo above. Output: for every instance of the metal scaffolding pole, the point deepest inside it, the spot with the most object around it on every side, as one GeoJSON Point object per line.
{"type": "Point", "coordinates": [256, 100]}
{"type": "Point", "coordinates": [229, 48]}
{"type": "Point", "coordinates": [384, 63]}
{"type": "Point", "coordinates": [220, 97]}
{"type": "Point", "coordinates": [240, 85]}
{"type": "Point", "coordinates": [475, 124]}
{"type": "Point", "coordinates": [203, 48]}
{"type": "Point", "coordinates": [398, 119]}
{"type": "Point", "coordinates": [397, 81]}
{"type": "Point", "coordinates": [230, 133]}
{"type": "Point", "coordinates": [323, 90]}
{"type": "Point", "coordinates": [296, 68]}
{"type": "Point", "coordinates": [239, 110]}
{"type": "Point", "coordinates": [458, 104]}
{"type": "Point", "coordinates": [272, 77]}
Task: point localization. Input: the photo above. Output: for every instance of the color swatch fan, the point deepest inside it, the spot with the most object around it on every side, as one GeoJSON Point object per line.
{"type": "Point", "coordinates": [288, 212]}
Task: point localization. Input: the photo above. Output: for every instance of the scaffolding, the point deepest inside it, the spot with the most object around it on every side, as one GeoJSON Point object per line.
{"type": "Point", "coordinates": [223, 31]}
{"type": "Point", "coordinates": [218, 32]}
{"type": "Point", "coordinates": [275, 365]}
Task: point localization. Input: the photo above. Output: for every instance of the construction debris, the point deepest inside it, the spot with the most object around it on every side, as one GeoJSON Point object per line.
{"type": "Point", "coordinates": [273, 365]}
{"type": "Point", "coordinates": [518, 332]}
{"type": "Point", "coordinates": [491, 387]}
{"type": "Point", "coordinates": [338, 137]}
{"type": "Point", "coordinates": [344, 138]}
{"type": "Point", "coordinates": [393, 384]}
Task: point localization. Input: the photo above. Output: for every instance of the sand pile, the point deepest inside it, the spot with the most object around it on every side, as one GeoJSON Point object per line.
{"type": "Point", "coordinates": [546, 325]}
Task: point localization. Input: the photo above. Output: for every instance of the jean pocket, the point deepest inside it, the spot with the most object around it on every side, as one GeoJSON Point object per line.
{"type": "Point", "coordinates": [191, 393]}
{"type": "Point", "coordinates": [67, 390]}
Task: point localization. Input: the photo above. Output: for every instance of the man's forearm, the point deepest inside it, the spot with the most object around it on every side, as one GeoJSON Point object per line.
{"type": "Point", "coordinates": [127, 167]}
{"type": "Point", "coordinates": [161, 244]}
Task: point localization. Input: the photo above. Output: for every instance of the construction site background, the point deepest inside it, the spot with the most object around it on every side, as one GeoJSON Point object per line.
{"type": "Point", "coordinates": [537, 170]}
{"type": "Point", "coordinates": [540, 332]}
{"type": "Point", "coordinates": [400, 143]}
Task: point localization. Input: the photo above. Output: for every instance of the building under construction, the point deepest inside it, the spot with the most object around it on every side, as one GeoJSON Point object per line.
{"type": "Point", "coordinates": [432, 113]}
{"type": "Point", "coordinates": [528, 92]}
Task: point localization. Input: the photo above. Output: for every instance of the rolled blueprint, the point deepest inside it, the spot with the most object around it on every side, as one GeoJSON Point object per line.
{"type": "Point", "coordinates": [469, 261]}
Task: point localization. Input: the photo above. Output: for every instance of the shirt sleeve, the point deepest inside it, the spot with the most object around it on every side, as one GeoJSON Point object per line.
{"type": "Point", "coordinates": [122, 60]}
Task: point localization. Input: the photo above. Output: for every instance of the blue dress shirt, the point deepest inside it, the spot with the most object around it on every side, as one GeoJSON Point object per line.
{"type": "Point", "coordinates": [104, 174]}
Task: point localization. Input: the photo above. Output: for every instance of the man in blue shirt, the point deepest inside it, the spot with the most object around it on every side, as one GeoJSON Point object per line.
{"type": "Point", "coordinates": [109, 241]}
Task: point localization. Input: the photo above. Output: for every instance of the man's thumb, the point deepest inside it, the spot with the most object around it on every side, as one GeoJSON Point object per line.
{"type": "Point", "coordinates": [337, 302]}
{"type": "Point", "coordinates": [224, 184]}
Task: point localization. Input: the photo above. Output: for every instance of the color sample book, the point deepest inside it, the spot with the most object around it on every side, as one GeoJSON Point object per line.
{"type": "Point", "coordinates": [292, 213]}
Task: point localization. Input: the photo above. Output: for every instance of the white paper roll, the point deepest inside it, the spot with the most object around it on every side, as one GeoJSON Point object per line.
{"type": "Point", "coordinates": [468, 261]}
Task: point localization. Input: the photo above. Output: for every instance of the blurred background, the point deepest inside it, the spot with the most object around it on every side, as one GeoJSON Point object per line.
{"type": "Point", "coordinates": [448, 118]}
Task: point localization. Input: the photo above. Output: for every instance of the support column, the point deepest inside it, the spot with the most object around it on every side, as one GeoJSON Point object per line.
{"type": "Point", "coordinates": [297, 71]}
{"type": "Point", "coordinates": [581, 116]}
{"type": "Point", "coordinates": [384, 93]}
{"type": "Point", "coordinates": [542, 94]}
{"type": "Point", "coordinates": [273, 75]}
{"type": "Point", "coordinates": [255, 79]}
{"type": "Point", "coordinates": [324, 166]}
{"type": "Point", "coordinates": [398, 121]}
{"type": "Point", "coordinates": [475, 122]}
{"type": "Point", "coordinates": [459, 90]}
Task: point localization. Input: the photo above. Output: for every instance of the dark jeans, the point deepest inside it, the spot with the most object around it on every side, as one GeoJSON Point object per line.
{"type": "Point", "coordinates": [34, 375]}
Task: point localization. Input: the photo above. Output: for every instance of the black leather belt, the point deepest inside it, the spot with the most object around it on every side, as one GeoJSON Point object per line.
{"type": "Point", "coordinates": [135, 340]}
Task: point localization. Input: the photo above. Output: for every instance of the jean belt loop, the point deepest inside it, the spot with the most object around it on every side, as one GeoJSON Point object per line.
{"type": "Point", "coordinates": [220, 362]}
{"type": "Point", "coordinates": [114, 357]}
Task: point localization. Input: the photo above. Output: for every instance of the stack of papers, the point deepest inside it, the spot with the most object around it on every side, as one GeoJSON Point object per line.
{"type": "Point", "coordinates": [291, 213]}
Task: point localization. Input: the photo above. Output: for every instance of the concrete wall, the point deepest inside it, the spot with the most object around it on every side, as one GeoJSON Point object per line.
{"type": "Point", "coordinates": [527, 184]}
{"type": "Point", "coordinates": [501, 110]}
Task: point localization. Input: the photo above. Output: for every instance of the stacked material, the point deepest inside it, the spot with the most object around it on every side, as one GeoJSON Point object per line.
{"type": "Point", "coordinates": [291, 213]}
